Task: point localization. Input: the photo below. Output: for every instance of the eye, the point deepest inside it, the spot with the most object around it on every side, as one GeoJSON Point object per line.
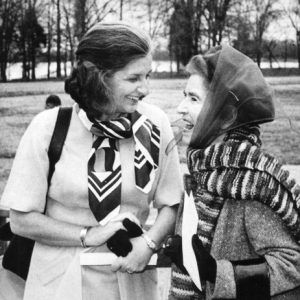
{"type": "Point", "coordinates": [194, 99]}
{"type": "Point", "coordinates": [132, 79]}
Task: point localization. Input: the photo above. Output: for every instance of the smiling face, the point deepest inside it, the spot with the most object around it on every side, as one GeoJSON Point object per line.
{"type": "Point", "coordinates": [194, 97]}
{"type": "Point", "coordinates": [130, 85]}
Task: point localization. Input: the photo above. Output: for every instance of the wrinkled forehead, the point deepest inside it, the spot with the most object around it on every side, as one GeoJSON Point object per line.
{"type": "Point", "coordinates": [197, 84]}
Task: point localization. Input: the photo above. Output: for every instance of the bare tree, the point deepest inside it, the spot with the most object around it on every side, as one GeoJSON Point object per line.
{"type": "Point", "coordinates": [30, 37]}
{"type": "Point", "coordinates": [215, 13]}
{"type": "Point", "coordinates": [293, 13]}
{"type": "Point", "coordinates": [265, 13]}
{"type": "Point", "coordinates": [69, 29]}
{"type": "Point", "coordinates": [9, 16]}
{"type": "Point", "coordinates": [152, 15]}
{"type": "Point", "coordinates": [251, 19]}
{"type": "Point", "coordinates": [58, 39]}
{"type": "Point", "coordinates": [89, 12]}
{"type": "Point", "coordinates": [50, 24]}
{"type": "Point", "coordinates": [121, 9]}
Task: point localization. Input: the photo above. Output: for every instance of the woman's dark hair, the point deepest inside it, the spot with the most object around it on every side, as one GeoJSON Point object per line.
{"type": "Point", "coordinates": [103, 50]}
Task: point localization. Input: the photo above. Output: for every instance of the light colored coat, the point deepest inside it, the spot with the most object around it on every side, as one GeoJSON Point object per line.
{"type": "Point", "coordinates": [55, 271]}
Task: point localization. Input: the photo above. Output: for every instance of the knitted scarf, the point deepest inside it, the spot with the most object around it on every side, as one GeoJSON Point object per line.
{"type": "Point", "coordinates": [237, 169]}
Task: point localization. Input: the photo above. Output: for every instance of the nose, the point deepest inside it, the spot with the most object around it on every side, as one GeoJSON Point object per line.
{"type": "Point", "coordinates": [143, 87]}
{"type": "Point", "coordinates": [182, 107]}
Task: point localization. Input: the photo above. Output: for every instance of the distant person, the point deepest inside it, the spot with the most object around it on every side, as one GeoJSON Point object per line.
{"type": "Point", "coordinates": [248, 231]}
{"type": "Point", "coordinates": [52, 101]}
{"type": "Point", "coordinates": [112, 167]}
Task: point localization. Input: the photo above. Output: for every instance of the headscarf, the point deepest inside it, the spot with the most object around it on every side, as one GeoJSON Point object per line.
{"type": "Point", "coordinates": [238, 91]}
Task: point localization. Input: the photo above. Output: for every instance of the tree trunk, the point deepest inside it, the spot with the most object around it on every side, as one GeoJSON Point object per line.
{"type": "Point", "coordinates": [3, 77]}
{"type": "Point", "coordinates": [121, 10]}
{"type": "Point", "coordinates": [33, 63]}
{"type": "Point", "coordinates": [49, 39]}
{"type": "Point", "coordinates": [66, 58]}
{"type": "Point", "coordinates": [298, 47]}
{"type": "Point", "coordinates": [178, 65]}
{"type": "Point", "coordinates": [58, 55]}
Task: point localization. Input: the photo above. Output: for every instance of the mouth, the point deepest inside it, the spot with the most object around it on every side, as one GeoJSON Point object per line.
{"type": "Point", "coordinates": [188, 125]}
{"type": "Point", "coordinates": [134, 100]}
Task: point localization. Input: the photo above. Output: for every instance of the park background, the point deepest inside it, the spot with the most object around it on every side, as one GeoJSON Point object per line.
{"type": "Point", "coordinates": [38, 39]}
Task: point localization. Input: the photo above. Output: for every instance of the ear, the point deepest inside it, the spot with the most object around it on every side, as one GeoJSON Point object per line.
{"type": "Point", "coordinates": [229, 116]}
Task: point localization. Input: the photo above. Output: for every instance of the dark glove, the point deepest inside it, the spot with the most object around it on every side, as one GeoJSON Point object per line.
{"type": "Point", "coordinates": [207, 265]}
{"type": "Point", "coordinates": [132, 228]}
{"type": "Point", "coordinates": [252, 279]}
{"type": "Point", "coordinates": [119, 243]}
{"type": "Point", "coordinates": [173, 249]}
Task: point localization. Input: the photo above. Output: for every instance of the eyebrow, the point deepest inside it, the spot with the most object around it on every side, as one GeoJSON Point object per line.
{"type": "Point", "coordinates": [138, 74]}
{"type": "Point", "coordinates": [191, 94]}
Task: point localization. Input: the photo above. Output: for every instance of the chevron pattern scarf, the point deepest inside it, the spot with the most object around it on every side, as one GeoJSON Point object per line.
{"type": "Point", "coordinates": [236, 169]}
{"type": "Point", "coordinates": [105, 187]}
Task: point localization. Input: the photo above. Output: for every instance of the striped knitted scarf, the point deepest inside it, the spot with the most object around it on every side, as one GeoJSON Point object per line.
{"type": "Point", "coordinates": [235, 169]}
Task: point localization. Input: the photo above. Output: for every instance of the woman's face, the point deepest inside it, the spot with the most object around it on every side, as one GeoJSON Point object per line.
{"type": "Point", "coordinates": [130, 84]}
{"type": "Point", "coordinates": [194, 97]}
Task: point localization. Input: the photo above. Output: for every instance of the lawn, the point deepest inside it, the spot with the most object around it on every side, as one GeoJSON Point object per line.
{"type": "Point", "coordinates": [21, 101]}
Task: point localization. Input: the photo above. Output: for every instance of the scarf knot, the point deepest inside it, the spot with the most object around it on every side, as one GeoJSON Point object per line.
{"type": "Point", "coordinates": [120, 128]}
{"type": "Point", "coordinates": [105, 186]}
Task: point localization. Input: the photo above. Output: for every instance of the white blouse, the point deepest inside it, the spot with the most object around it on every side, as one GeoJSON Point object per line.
{"type": "Point", "coordinates": [27, 187]}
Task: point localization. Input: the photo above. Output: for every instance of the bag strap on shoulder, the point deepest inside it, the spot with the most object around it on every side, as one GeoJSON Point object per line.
{"type": "Point", "coordinates": [58, 138]}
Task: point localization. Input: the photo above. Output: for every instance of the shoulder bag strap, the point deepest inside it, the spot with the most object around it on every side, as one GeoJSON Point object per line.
{"type": "Point", "coordinates": [58, 138]}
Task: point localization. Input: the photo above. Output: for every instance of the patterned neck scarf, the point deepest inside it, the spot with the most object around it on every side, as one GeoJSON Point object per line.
{"type": "Point", "coordinates": [105, 187]}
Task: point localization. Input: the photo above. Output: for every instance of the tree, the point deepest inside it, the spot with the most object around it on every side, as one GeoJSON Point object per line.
{"type": "Point", "coordinates": [9, 16]}
{"type": "Point", "coordinates": [58, 39]}
{"type": "Point", "coordinates": [90, 12]}
{"type": "Point", "coordinates": [50, 33]}
{"type": "Point", "coordinates": [265, 13]}
{"type": "Point", "coordinates": [69, 29]}
{"type": "Point", "coordinates": [195, 23]}
{"type": "Point", "coordinates": [215, 13]}
{"type": "Point", "coordinates": [241, 21]}
{"type": "Point", "coordinates": [293, 13]}
{"type": "Point", "coordinates": [181, 40]}
{"type": "Point", "coordinates": [252, 19]}
{"type": "Point", "coordinates": [31, 36]}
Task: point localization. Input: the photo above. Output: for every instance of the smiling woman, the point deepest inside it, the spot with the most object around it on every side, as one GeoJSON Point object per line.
{"type": "Point", "coordinates": [113, 165]}
{"type": "Point", "coordinates": [130, 85]}
{"type": "Point", "coordinates": [245, 244]}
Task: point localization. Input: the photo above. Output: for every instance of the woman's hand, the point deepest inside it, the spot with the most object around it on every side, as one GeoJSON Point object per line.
{"type": "Point", "coordinates": [136, 260]}
{"type": "Point", "coordinates": [99, 235]}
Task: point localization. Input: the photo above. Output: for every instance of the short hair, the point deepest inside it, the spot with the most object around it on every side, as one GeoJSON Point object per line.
{"type": "Point", "coordinates": [103, 50]}
{"type": "Point", "coordinates": [53, 100]}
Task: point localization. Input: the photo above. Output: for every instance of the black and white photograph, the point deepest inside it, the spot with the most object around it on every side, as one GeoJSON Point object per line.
{"type": "Point", "coordinates": [149, 149]}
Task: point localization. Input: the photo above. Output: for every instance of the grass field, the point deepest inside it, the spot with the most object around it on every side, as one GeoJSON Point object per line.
{"type": "Point", "coordinates": [19, 102]}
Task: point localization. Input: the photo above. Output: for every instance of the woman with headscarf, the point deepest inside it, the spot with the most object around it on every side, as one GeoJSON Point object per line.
{"type": "Point", "coordinates": [113, 165]}
{"type": "Point", "coordinates": [246, 241]}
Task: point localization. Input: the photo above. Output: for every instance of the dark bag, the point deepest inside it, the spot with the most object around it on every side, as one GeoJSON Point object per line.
{"type": "Point", "coordinates": [18, 254]}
